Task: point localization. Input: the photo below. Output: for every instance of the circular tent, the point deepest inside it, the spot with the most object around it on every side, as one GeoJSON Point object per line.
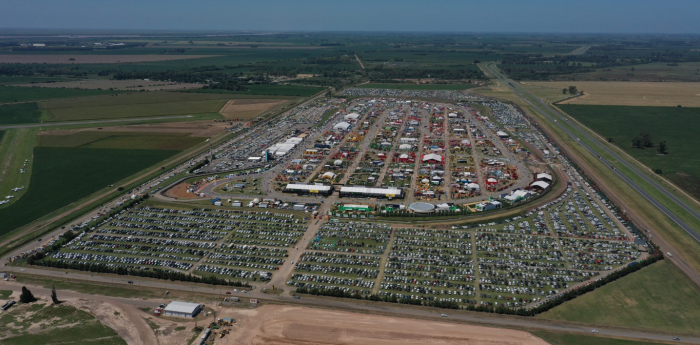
{"type": "Point", "coordinates": [421, 207]}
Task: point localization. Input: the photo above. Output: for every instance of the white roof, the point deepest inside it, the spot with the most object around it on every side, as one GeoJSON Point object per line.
{"type": "Point", "coordinates": [521, 193]}
{"type": "Point", "coordinates": [329, 174]}
{"type": "Point", "coordinates": [181, 307]}
{"type": "Point", "coordinates": [405, 147]}
{"type": "Point", "coordinates": [473, 186]}
{"type": "Point", "coordinates": [543, 175]}
{"type": "Point", "coordinates": [432, 156]}
{"type": "Point", "coordinates": [370, 190]}
{"type": "Point", "coordinates": [502, 134]}
{"type": "Point", "coordinates": [540, 184]}
{"type": "Point", "coordinates": [352, 116]}
{"type": "Point", "coordinates": [308, 186]}
{"type": "Point", "coordinates": [342, 125]}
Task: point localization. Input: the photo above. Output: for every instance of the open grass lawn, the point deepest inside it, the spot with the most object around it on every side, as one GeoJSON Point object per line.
{"type": "Point", "coordinates": [418, 86]}
{"type": "Point", "coordinates": [135, 105]}
{"type": "Point", "coordinates": [10, 94]}
{"type": "Point", "coordinates": [12, 114]}
{"type": "Point", "coordinates": [267, 89]}
{"type": "Point", "coordinates": [580, 339]}
{"type": "Point", "coordinates": [657, 298]}
{"type": "Point", "coordinates": [61, 176]}
{"type": "Point", "coordinates": [678, 126]}
{"type": "Point", "coordinates": [15, 148]}
{"type": "Point", "coordinates": [60, 324]}
{"type": "Point", "coordinates": [121, 140]}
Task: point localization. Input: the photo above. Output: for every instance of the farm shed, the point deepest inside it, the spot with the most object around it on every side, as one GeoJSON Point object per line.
{"type": "Point", "coordinates": [182, 309]}
{"type": "Point", "coordinates": [355, 207]}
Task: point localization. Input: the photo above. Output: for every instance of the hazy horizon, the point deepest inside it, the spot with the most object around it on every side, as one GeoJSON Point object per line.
{"type": "Point", "coordinates": [440, 16]}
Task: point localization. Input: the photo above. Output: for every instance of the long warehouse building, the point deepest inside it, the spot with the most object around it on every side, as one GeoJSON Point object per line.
{"type": "Point", "coordinates": [309, 189]}
{"type": "Point", "coordinates": [371, 192]}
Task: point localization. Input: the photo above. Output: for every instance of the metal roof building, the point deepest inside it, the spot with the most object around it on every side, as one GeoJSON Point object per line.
{"type": "Point", "coordinates": [182, 309]}
{"type": "Point", "coordinates": [305, 189]}
{"type": "Point", "coordinates": [371, 192]}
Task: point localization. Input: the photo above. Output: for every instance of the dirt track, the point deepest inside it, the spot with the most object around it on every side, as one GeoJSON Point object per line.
{"type": "Point", "coordinates": [65, 59]}
{"type": "Point", "coordinates": [301, 326]}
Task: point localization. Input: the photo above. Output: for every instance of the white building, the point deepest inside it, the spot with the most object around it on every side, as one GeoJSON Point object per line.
{"type": "Point", "coordinates": [182, 309]}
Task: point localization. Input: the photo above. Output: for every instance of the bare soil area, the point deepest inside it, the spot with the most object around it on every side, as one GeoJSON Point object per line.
{"type": "Point", "coordinates": [76, 59]}
{"type": "Point", "coordinates": [630, 93]}
{"type": "Point", "coordinates": [180, 192]}
{"type": "Point", "coordinates": [128, 85]}
{"type": "Point", "coordinates": [245, 109]}
{"type": "Point", "coordinates": [272, 325]}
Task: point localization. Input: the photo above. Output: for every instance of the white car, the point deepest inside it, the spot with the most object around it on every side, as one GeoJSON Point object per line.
{"type": "Point", "coordinates": [443, 315]}
{"type": "Point", "coordinates": [594, 330]}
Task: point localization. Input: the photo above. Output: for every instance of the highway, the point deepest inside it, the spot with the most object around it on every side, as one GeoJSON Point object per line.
{"type": "Point", "coordinates": [553, 115]}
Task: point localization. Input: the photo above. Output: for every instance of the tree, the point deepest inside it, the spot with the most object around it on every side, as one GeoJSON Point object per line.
{"type": "Point", "coordinates": [26, 296]}
{"type": "Point", "coordinates": [564, 90]}
{"type": "Point", "coordinates": [573, 90]}
{"type": "Point", "coordinates": [662, 147]}
{"type": "Point", "coordinates": [646, 139]}
{"type": "Point", "coordinates": [54, 297]}
{"type": "Point", "coordinates": [637, 142]}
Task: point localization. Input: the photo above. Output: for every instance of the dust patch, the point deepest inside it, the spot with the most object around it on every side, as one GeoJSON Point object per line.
{"type": "Point", "coordinates": [245, 109]}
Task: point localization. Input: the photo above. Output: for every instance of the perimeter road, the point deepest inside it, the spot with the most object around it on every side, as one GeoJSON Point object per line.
{"type": "Point", "coordinates": [96, 121]}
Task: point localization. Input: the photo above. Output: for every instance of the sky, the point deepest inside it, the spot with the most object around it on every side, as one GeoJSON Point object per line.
{"type": "Point", "coordinates": [530, 16]}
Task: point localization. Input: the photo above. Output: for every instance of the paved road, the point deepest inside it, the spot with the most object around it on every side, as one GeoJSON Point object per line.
{"type": "Point", "coordinates": [380, 308]}
{"type": "Point", "coordinates": [96, 121]}
{"type": "Point", "coordinates": [554, 116]}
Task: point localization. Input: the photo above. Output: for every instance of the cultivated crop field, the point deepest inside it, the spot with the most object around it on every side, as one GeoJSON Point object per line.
{"type": "Point", "coordinates": [236, 244]}
{"type": "Point", "coordinates": [13, 94]}
{"type": "Point", "coordinates": [655, 72]}
{"type": "Point", "coordinates": [104, 84]}
{"type": "Point", "coordinates": [245, 109]}
{"type": "Point", "coordinates": [675, 125]}
{"type": "Point", "coordinates": [133, 105]}
{"type": "Point", "coordinates": [91, 59]}
{"type": "Point", "coordinates": [12, 114]}
{"type": "Point", "coordinates": [418, 86]}
{"type": "Point", "coordinates": [669, 94]}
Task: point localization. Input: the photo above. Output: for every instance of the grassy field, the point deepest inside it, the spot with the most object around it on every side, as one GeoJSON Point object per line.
{"type": "Point", "coordinates": [10, 94]}
{"type": "Point", "coordinates": [62, 324]}
{"type": "Point", "coordinates": [658, 71]}
{"type": "Point", "coordinates": [15, 148]}
{"type": "Point", "coordinates": [629, 93]}
{"type": "Point", "coordinates": [675, 125]}
{"type": "Point", "coordinates": [268, 89]}
{"type": "Point", "coordinates": [6, 80]}
{"type": "Point", "coordinates": [657, 298]}
{"type": "Point", "coordinates": [121, 140]}
{"type": "Point", "coordinates": [141, 104]}
{"type": "Point", "coordinates": [11, 114]}
{"type": "Point", "coordinates": [418, 86]}
{"type": "Point", "coordinates": [579, 339]}
{"type": "Point", "coordinates": [63, 175]}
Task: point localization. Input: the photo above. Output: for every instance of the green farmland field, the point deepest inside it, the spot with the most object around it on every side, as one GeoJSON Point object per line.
{"type": "Point", "coordinates": [134, 105]}
{"type": "Point", "coordinates": [675, 125]}
{"type": "Point", "coordinates": [418, 86]}
{"type": "Point", "coordinates": [10, 94]}
{"type": "Point", "coordinates": [580, 339]}
{"type": "Point", "coordinates": [657, 298]}
{"type": "Point", "coordinates": [12, 114]}
{"type": "Point", "coordinates": [61, 176]}
{"type": "Point", "coordinates": [121, 140]}
{"type": "Point", "coordinates": [15, 149]}
{"type": "Point", "coordinates": [268, 90]}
